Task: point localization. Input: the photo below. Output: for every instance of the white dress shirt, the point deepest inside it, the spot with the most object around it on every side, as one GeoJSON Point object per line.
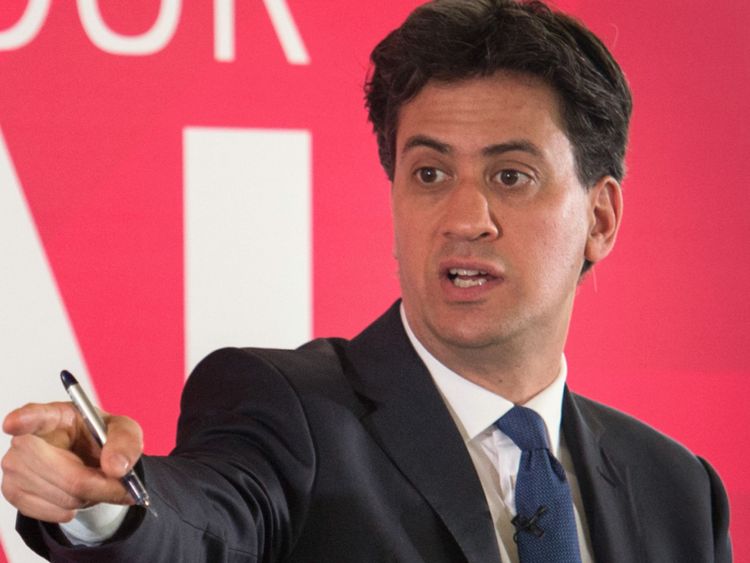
{"type": "Point", "coordinates": [496, 457]}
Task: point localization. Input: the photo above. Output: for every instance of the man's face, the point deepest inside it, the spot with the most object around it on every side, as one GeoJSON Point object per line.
{"type": "Point", "coordinates": [491, 222]}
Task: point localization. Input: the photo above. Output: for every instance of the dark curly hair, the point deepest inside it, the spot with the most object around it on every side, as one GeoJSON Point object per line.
{"type": "Point", "coordinates": [452, 40]}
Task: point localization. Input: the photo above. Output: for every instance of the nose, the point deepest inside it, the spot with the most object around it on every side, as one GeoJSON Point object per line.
{"type": "Point", "coordinates": [469, 215]}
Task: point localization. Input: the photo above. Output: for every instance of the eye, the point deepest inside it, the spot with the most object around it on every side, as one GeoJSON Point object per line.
{"type": "Point", "coordinates": [511, 177]}
{"type": "Point", "coordinates": [429, 175]}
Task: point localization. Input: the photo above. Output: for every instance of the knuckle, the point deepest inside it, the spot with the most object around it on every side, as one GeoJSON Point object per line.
{"type": "Point", "coordinates": [68, 502]}
{"type": "Point", "coordinates": [10, 492]}
{"type": "Point", "coordinates": [76, 487]}
{"type": "Point", "coordinates": [7, 464]}
{"type": "Point", "coordinates": [80, 486]}
{"type": "Point", "coordinates": [21, 442]}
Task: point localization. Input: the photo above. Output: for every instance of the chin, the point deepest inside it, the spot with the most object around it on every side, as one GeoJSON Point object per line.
{"type": "Point", "coordinates": [469, 336]}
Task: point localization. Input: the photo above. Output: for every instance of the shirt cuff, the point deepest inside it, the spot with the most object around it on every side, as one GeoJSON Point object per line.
{"type": "Point", "coordinates": [95, 524]}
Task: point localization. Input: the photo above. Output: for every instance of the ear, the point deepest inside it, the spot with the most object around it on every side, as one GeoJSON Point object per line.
{"type": "Point", "coordinates": [605, 201]}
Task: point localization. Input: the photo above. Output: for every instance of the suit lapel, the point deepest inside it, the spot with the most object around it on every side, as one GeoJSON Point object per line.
{"type": "Point", "coordinates": [415, 429]}
{"type": "Point", "coordinates": [605, 487]}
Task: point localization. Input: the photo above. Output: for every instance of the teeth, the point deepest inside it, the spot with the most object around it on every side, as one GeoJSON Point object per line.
{"type": "Point", "coordinates": [460, 282]}
{"type": "Point", "coordinates": [464, 272]}
{"type": "Point", "coordinates": [463, 278]}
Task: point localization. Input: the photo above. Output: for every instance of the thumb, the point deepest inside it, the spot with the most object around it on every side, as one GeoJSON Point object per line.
{"type": "Point", "coordinates": [123, 448]}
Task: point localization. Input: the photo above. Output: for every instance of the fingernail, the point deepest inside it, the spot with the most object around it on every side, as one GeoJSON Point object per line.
{"type": "Point", "coordinates": [121, 462]}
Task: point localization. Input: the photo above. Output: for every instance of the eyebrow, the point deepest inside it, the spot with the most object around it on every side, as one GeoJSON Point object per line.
{"type": "Point", "coordinates": [425, 141]}
{"type": "Point", "coordinates": [491, 150]}
{"type": "Point", "coordinates": [514, 145]}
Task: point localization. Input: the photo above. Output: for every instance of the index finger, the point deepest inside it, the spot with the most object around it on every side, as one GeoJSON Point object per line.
{"type": "Point", "coordinates": [39, 419]}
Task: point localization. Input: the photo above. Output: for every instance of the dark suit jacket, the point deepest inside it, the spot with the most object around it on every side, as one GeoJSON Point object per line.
{"type": "Point", "coordinates": [344, 452]}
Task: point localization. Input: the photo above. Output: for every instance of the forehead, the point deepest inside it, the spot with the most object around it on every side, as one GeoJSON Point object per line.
{"type": "Point", "coordinates": [475, 112]}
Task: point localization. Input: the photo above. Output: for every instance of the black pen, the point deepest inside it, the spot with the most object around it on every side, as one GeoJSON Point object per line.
{"type": "Point", "coordinates": [98, 430]}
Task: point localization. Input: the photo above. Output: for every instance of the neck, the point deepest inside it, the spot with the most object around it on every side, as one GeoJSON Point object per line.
{"type": "Point", "coordinates": [514, 376]}
{"type": "Point", "coordinates": [516, 368]}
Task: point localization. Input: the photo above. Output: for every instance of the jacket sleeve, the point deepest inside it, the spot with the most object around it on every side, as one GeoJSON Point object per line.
{"type": "Point", "coordinates": [235, 488]}
{"type": "Point", "coordinates": [720, 516]}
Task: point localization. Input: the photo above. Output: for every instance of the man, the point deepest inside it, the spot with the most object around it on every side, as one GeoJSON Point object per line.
{"type": "Point", "coordinates": [502, 127]}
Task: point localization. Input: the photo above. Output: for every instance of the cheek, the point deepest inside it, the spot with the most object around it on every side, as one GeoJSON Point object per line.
{"type": "Point", "coordinates": [398, 226]}
{"type": "Point", "coordinates": [408, 233]}
{"type": "Point", "coordinates": [408, 249]}
{"type": "Point", "coordinates": [411, 248]}
{"type": "Point", "coordinates": [559, 244]}
{"type": "Point", "coordinates": [403, 245]}
{"type": "Point", "coordinates": [568, 250]}
{"type": "Point", "coordinates": [399, 237]}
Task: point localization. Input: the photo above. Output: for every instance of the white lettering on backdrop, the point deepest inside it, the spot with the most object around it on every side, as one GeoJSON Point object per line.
{"type": "Point", "coordinates": [27, 27]}
{"type": "Point", "coordinates": [36, 335]}
{"type": "Point", "coordinates": [248, 230]}
{"type": "Point", "coordinates": [156, 38]}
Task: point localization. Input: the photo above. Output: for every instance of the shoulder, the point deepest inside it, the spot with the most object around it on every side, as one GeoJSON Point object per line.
{"type": "Point", "coordinates": [252, 390]}
{"type": "Point", "coordinates": [627, 435]}
{"type": "Point", "coordinates": [235, 372]}
{"type": "Point", "coordinates": [650, 455]}
{"type": "Point", "coordinates": [664, 476]}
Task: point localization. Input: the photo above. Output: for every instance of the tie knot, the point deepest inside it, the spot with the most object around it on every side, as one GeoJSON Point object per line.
{"type": "Point", "coordinates": [525, 427]}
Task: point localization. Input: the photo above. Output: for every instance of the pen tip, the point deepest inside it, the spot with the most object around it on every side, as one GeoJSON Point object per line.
{"type": "Point", "coordinates": [146, 503]}
{"type": "Point", "coordinates": [67, 378]}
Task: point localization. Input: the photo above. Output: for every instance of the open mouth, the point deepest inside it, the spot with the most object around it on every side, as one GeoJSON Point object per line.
{"type": "Point", "coordinates": [461, 277]}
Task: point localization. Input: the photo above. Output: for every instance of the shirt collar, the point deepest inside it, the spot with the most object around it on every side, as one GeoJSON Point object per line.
{"type": "Point", "coordinates": [475, 409]}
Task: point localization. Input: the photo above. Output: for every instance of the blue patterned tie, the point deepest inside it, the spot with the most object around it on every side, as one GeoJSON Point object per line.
{"type": "Point", "coordinates": [544, 521]}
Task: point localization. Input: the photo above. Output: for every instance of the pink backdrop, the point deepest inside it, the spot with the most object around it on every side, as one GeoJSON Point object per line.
{"type": "Point", "coordinates": [96, 142]}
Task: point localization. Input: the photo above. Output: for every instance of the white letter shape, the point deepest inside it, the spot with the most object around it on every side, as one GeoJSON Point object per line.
{"type": "Point", "coordinates": [248, 248]}
{"type": "Point", "coordinates": [27, 27]}
{"type": "Point", "coordinates": [148, 43]}
{"type": "Point", "coordinates": [35, 331]}
{"type": "Point", "coordinates": [283, 24]}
